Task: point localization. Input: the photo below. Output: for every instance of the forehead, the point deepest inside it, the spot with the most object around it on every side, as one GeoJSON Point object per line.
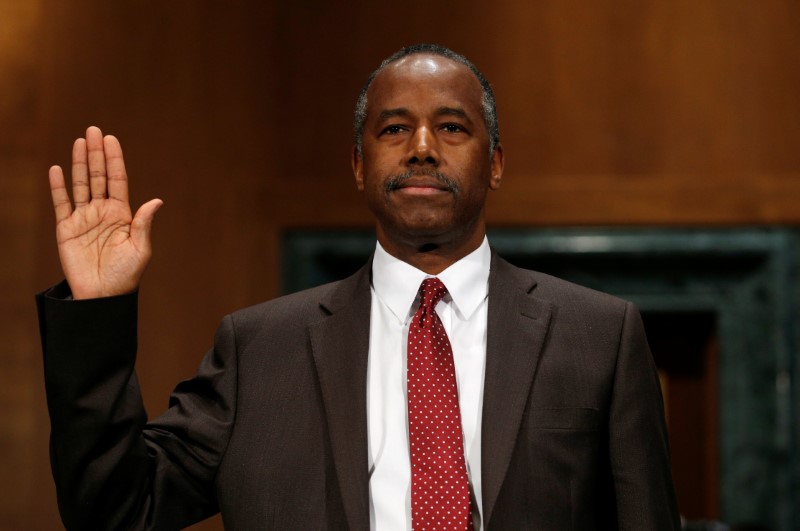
{"type": "Point", "coordinates": [425, 80]}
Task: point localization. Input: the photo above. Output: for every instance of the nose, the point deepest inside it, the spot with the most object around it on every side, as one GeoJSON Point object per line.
{"type": "Point", "coordinates": [424, 148]}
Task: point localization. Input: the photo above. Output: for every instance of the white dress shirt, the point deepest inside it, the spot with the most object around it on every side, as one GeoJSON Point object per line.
{"type": "Point", "coordinates": [463, 312]}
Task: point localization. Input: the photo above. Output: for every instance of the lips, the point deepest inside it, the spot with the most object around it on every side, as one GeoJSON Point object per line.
{"type": "Point", "coordinates": [422, 183]}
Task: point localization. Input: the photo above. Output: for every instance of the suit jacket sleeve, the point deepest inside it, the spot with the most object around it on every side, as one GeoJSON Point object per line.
{"type": "Point", "coordinates": [112, 470]}
{"type": "Point", "coordinates": [638, 447]}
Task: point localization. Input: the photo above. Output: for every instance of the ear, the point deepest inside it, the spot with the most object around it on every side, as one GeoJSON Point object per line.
{"type": "Point", "coordinates": [497, 167]}
{"type": "Point", "coordinates": [358, 169]}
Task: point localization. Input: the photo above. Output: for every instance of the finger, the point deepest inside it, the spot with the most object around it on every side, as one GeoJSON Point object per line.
{"type": "Point", "coordinates": [97, 162]}
{"type": "Point", "coordinates": [143, 222]}
{"type": "Point", "coordinates": [115, 165]}
{"type": "Point", "coordinates": [58, 191]}
{"type": "Point", "coordinates": [80, 173]}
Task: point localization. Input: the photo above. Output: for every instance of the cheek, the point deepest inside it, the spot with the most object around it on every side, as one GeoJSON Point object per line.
{"type": "Point", "coordinates": [375, 192]}
{"type": "Point", "coordinates": [472, 180]}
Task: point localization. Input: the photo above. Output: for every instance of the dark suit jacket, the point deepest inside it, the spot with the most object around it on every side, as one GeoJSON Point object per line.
{"type": "Point", "coordinates": [272, 431]}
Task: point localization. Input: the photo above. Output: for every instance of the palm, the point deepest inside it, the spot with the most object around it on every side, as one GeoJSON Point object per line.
{"type": "Point", "coordinates": [98, 234]}
{"type": "Point", "coordinates": [103, 249]}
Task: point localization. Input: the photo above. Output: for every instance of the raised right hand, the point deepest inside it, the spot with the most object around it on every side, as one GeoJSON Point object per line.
{"type": "Point", "coordinates": [103, 249]}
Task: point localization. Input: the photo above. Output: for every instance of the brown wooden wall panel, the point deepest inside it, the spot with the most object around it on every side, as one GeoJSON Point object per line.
{"type": "Point", "coordinates": [24, 488]}
{"type": "Point", "coordinates": [238, 115]}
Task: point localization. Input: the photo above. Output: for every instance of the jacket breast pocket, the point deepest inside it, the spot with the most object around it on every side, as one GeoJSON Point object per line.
{"type": "Point", "coordinates": [564, 418]}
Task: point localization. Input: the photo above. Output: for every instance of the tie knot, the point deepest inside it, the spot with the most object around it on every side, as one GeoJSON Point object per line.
{"type": "Point", "coordinates": [431, 291]}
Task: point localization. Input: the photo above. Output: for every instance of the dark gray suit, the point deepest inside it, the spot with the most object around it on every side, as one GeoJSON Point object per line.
{"type": "Point", "coordinates": [273, 429]}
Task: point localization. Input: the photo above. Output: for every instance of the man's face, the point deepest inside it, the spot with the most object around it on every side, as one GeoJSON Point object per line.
{"type": "Point", "coordinates": [426, 166]}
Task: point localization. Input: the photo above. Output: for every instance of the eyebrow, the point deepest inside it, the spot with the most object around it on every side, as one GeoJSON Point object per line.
{"type": "Point", "coordinates": [452, 111]}
{"type": "Point", "coordinates": [441, 111]}
{"type": "Point", "coordinates": [391, 113]}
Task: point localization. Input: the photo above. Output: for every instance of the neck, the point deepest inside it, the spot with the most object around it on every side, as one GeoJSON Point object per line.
{"type": "Point", "coordinates": [430, 257]}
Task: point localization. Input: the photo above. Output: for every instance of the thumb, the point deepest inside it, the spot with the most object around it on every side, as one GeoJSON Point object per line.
{"type": "Point", "coordinates": [143, 222]}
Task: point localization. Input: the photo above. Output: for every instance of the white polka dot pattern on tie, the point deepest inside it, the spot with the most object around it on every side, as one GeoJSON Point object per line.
{"type": "Point", "coordinates": [439, 484]}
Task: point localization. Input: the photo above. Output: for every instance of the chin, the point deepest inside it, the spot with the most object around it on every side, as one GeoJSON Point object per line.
{"type": "Point", "coordinates": [428, 227]}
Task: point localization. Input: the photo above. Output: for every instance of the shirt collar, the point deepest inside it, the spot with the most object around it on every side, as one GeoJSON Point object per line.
{"type": "Point", "coordinates": [396, 282]}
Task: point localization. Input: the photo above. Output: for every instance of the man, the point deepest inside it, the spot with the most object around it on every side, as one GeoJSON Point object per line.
{"type": "Point", "coordinates": [438, 387]}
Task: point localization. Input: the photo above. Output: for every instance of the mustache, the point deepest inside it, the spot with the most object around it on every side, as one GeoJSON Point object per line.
{"type": "Point", "coordinates": [394, 182]}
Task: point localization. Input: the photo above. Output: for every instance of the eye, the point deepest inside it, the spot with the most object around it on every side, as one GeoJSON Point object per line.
{"type": "Point", "coordinates": [452, 128]}
{"type": "Point", "coordinates": [392, 130]}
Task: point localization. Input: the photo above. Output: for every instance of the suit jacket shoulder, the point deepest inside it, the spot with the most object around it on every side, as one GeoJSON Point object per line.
{"type": "Point", "coordinates": [305, 306]}
{"type": "Point", "coordinates": [559, 292]}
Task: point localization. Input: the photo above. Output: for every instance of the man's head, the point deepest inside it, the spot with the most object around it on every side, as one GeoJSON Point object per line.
{"type": "Point", "coordinates": [488, 101]}
{"type": "Point", "coordinates": [422, 163]}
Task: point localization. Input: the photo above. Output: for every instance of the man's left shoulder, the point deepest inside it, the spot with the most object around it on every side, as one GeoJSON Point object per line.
{"type": "Point", "coordinates": [561, 294]}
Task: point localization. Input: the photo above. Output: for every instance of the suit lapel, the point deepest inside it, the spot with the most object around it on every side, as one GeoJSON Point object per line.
{"type": "Point", "coordinates": [340, 346]}
{"type": "Point", "coordinates": [517, 327]}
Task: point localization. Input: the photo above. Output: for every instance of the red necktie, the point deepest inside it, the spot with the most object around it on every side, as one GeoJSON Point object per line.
{"type": "Point", "coordinates": [439, 484]}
